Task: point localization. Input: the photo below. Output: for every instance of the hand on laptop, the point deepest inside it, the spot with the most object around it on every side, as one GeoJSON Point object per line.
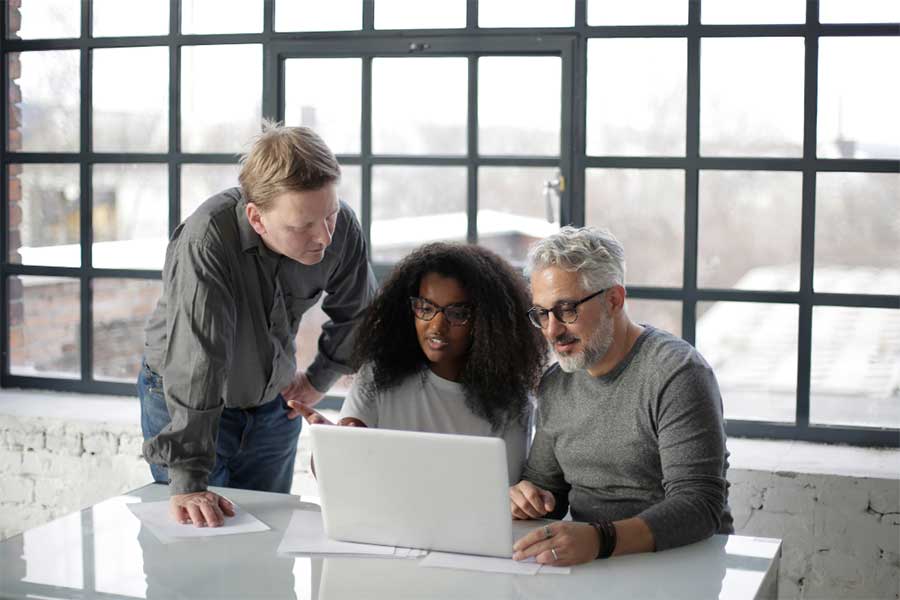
{"type": "Point", "coordinates": [560, 544]}
{"type": "Point", "coordinates": [528, 501]}
{"type": "Point", "coordinates": [200, 508]}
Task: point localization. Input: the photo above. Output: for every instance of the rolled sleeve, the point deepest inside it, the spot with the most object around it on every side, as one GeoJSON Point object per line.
{"type": "Point", "coordinates": [693, 457]}
{"type": "Point", "coordinates": [200, 326]}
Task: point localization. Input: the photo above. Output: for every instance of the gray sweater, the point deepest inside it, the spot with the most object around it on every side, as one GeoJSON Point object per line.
{"type": "Point", "coordinates": [646, 439]}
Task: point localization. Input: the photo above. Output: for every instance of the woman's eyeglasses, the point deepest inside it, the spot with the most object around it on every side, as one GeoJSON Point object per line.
{"type": "Point", "coordinates": [456, 314]}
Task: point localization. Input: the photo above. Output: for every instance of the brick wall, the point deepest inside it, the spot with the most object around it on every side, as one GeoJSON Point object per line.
{"type": "Point", "coordinates": [841, 534]}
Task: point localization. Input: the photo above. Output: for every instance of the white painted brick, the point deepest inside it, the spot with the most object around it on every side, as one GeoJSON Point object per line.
{"type": "Point", "coordinates": [16, 489]}
{"type": "Point", "coordinates": [884, 496]}
{"type": "Point", "coordinates": [49, 464]}
{"type": "Point", "coordinates": [835, 574]}
{"type": "Point", "coordinates": [64, 440]}
{"type": "Point", "coordinates": [100, 443]}
{"type": "Point", "coordinates": [130, 444]}
{"type": "Point", "coordinates": [789, 498]}
{"type": "Point", "coordinates": [845, 494]}
{"type": "Point", "coordinates": [51, 491]}
{"type": "Point", "coordinates": [25, 438]}
{"type": "Point", "coordinates": [15, 519]}
{"type": "Point", "coordinates": [10, 461]}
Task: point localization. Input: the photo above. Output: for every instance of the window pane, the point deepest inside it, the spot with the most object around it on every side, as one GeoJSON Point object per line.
{"type": "Point", "coordinates": [130, 17]}
{"type": "Point", "coordinates": [857, 115]}
{"type": "Point", "coordinates": [662, 314]}
{"type": "Point", "coordinates": [857, 233]}
{"type": "Point", "coordinates": [756, 12]}
{"type": "Point", "coordinates": [131, 105]}
{"type": "Point", "coordinates": [855, 366]}
{"type": "Point", "coordinates": [315, 15]}
{"type": "Point", "coordinates": [130, 216]}
{"type": "Point", "coordinates": [420, 14]}
{"type": "Point", "coordinates": [859, 11]}
{"type": "Point", "coordinates": [637, 97]}
{"type": "Point", "coordinates": [44, 326]}
{"type": "Point", "coordinates": [333, 110]}
{"type": "Point", "coordinates": [44, 215]}
{"type": "Point", "coordinates": [514, 209]}
{"type": "Point", "coordinates": [637, 12]}
{"type": "Point", "coordinates": [519, 105]}
{"type": "Point", "coordinates": [415, 205]}
{"type": "Point", "coordinates": [752, 348]}
{"type": "Point", "coordinates": [222, 16]}
{"type": "Point", "coordinates": [44, 19]}
{"type": "Point", "coordinates": [735, 208]}
{"type": "Point", "coordinates": [46, 118]}
{"type": "Point", "coordinates": [751, 97]}
{"type": "Point", "coordinates": [217, 114]}
{"type": "Point", "coordinates": [121, 308]}
{"type": "Point", "coordinates": [307, 344]}
{"type": "Point", "coordinates": [350, 188]}
{"type": "Point", "coordinates": [644, 209]}
{"type": "Point", "coordinates": [526, 13]}
{"type": "Point", "coordinates": [419, 105]}
{"type": "Point", "coordinates": [200, 182]}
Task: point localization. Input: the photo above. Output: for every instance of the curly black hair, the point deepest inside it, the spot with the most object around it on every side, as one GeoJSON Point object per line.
{"type": "Point", "coordinates": [507, 355]}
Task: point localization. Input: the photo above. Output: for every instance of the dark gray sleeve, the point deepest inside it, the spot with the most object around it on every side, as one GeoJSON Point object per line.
{"type": "Point", "coordinates": [200, 324]}
{"type": "Point", "coordinates": [350, 289]}
{"type": "Point", "coordinates": [543, 470]}
{"type": "Point", "coordinates": [692, 455]}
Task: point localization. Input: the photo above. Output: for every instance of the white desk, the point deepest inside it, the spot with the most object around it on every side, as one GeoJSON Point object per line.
{"type": "Point", "coordinates": [102, 553]}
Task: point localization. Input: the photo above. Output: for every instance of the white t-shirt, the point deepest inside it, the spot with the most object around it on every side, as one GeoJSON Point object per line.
{"type": "Point", "coordinates": [426, 402]}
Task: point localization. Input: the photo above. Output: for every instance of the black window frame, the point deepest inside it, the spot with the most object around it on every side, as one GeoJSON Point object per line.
{"type": "Point", "coordinates": [573, 162]}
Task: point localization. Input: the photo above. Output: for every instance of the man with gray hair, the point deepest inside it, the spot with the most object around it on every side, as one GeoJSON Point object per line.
{"type": "Point", "coordinates": [630, 433]}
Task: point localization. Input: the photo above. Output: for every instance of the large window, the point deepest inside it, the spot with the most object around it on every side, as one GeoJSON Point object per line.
{"type": "Point", "coordinates": [747, 155]}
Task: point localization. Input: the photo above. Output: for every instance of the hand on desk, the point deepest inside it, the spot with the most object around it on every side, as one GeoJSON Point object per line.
{"type": "Point", "coordinates": [559, 544]}
{"type": "Point", "coordinates": [200, 508]}
{"type": "Point", "coordinates": [528, 501]}
{"type": "Point", "coordinates": [300, 393]}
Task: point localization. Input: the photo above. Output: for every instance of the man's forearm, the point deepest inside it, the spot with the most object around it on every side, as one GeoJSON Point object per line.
{"type": "Point", "coordinates": [633, 536]}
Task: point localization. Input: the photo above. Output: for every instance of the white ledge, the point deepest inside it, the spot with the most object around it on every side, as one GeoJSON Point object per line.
{"type": "Point", "coordinates": [746, 454]}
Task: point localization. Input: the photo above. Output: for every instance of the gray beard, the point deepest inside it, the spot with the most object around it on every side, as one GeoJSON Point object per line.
{"type": "Point", "coordinates": [594, 350]}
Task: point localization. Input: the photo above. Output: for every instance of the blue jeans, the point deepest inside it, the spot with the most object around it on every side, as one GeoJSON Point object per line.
{"type": "Point", "coordinates": [255, 448]}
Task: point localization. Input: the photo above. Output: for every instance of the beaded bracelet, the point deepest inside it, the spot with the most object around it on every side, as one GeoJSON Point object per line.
{"type": "Point", "coordinates": [606, 531]}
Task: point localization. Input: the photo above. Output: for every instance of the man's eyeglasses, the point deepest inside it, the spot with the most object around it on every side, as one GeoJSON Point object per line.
{"type": "Point", "coordinates": [565, 312]}
{"type": "Point", "coordinates": [456, 314]}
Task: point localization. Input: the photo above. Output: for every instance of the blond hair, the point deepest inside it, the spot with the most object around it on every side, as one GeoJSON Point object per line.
{"type": "Point", "coordinates": [285, 159]}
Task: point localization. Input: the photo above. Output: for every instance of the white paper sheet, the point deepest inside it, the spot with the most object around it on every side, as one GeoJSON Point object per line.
{"type": "Point", "coordinates": [489, 564]}
{"type": "Point", "coordinates": [155, 517]}
{"type": "Point", "coordinates": [305, 534]}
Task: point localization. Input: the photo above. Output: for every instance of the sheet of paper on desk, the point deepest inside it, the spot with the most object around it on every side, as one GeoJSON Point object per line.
{"type": "Point", "coordinates": [490, 564]}
{"type": "Point", "coordinates": [305, 534]}
{"type": "Point", "coordinates": [155, 517]}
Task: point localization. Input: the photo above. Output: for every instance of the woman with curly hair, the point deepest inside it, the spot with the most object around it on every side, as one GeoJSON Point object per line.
{"type": "Point", "coordinates": [446, 347]}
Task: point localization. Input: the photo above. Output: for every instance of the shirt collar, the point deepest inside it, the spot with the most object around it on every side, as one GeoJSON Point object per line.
{"type": "Point", "coordinates": [250, 240]}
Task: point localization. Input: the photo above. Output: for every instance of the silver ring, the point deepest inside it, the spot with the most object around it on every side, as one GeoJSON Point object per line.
{"type": "Point", "coordinates": [547, 533]}
{"type": "Point", "coordinates": [553, 552]}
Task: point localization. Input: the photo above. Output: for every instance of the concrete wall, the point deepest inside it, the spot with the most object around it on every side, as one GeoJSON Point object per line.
{"type": "Point", "coordinates": [841, 534]}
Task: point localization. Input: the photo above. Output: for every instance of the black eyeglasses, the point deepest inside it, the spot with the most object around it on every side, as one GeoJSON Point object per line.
{"type": "Point", "coordinates": [456, 314]}
{"type": "Point", "coordinates": [565, 312]}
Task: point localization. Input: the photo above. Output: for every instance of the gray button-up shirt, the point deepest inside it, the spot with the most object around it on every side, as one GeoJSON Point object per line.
{"type": "Point", "coordinates": [223, 332]}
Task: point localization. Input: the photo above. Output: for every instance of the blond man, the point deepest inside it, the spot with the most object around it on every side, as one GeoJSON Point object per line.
{"type": "Point", "coordinates": [219, 386]}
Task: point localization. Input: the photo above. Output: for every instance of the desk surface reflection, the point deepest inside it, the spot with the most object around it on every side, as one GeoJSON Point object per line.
{"type": "Point", "coordinates": [103, 552]}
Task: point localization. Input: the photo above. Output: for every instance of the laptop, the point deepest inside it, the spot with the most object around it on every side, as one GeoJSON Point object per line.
{"type": "Point", "coordinates": [433, 491]}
